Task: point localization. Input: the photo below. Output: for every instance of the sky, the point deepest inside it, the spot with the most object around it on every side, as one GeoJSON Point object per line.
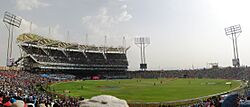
{"type": "Point", "coordinates": [184, 34]}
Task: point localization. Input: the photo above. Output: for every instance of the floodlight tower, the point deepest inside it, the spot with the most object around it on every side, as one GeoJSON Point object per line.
{"type": "Point", "coordinates": [10, 21]}
{"type": "Point", "coordinates": [142, 43]}
{"type": "Point", "coordinates": [233, 33]}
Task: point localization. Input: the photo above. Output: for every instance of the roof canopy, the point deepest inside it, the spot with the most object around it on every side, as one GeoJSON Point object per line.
{"type": "Point", "coordinates": [35, 39]}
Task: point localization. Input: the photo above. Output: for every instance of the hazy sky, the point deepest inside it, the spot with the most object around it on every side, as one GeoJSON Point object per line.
{"type": "Point", "coordinates": [182, 32]}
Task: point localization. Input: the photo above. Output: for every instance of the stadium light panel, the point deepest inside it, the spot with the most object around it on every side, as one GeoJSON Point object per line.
{"type": "Point", "coordinates": [11, 19]}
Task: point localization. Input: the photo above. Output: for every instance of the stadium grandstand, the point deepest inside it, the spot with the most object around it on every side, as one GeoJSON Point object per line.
{"type": "Point", "coordinates": [44, 54]}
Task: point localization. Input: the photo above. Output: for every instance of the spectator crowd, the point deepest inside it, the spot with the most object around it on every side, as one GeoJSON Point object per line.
{"type": "Point", "coordinates": [21, 86]}
{"type": "Point", "coordinates": [242, 73]}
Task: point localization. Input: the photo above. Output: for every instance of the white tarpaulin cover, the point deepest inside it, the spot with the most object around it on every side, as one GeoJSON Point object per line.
{"type": "Point", "coordinates": [104, 101]}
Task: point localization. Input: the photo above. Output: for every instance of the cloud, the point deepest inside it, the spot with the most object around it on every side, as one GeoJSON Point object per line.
{"type": "Point", "coordinates": [29, 4]}
{"type": "Point", "coordinates": [106, 19]}
{"type": "Point", "coordinates": [124, 6]}
{"type": "Point", "coordinates": [41, 30]}
{"type": "Point", "coordinates": [25, 26]}
{"type": "Point", "coordinates": [125, 16]}
{"type": "Point", "coordinates": [101, 18]}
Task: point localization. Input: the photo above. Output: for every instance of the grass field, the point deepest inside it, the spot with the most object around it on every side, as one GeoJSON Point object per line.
{"type": "Point", "coordinates": [146, 90]}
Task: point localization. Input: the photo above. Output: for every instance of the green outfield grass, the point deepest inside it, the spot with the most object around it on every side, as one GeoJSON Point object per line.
{"type": "Point", "coordinates": [146, 90]}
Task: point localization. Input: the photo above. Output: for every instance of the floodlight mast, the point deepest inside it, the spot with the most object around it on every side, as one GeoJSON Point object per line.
{"type": "Point", "coordinates": [233, 31]}
{"type": "Point", "coordinates": [10, 21]}
{"type": "Point", "coordinates": [142, 43]}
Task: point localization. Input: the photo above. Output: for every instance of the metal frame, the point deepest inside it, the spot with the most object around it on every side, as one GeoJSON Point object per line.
{"type": "Point", "coordinates": [10, 21]}
{"type": "Point", "coordinates": [142, 43]}
{"type": "Point", "coordinates": [232, 32]}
